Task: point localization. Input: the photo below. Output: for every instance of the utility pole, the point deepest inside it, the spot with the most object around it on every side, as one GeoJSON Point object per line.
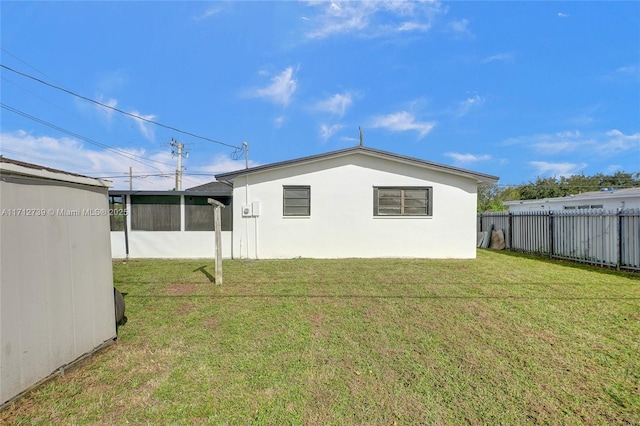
{"type": "Point", "coordinates": [179, 147]}
{"type": "Point", "coordinates": [130, 179]}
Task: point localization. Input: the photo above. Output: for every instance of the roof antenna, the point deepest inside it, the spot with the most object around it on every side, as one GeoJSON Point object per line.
{"type": "Point", "coordinates": [361, 136]}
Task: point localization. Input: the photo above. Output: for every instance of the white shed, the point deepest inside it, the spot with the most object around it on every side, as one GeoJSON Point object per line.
{"type": "Point", "coordinates": [355, 202]}
{"type": "Point", "coordinates": [56, 280]}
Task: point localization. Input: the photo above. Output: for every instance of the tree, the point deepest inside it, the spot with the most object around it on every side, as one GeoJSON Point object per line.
{"type": "Point", "coordinates": [491, 196]}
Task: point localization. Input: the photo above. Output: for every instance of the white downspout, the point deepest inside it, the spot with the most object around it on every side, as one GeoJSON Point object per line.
{"type": "Point", "coordinates": [245, 145]}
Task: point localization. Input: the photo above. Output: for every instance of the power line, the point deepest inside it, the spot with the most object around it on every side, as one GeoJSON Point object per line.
{"type": "Point", "coordinates": [76, 135]}
{"type": "Point", "coordinates": [27, 64]}
{"type": "Point", "coordinates": [236, 148]}
{"type": "Point", "coordinates": [36, 157]}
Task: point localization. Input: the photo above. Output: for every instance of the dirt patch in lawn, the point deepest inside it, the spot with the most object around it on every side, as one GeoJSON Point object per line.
{"type": "Point", "coordinates": [212, 322]}
{"type": "Point", "coordinates": [181, 289]}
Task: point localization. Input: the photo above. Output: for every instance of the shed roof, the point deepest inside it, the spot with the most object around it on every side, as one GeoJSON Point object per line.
{"type": "Point", "coordinates": [21, 168]}
{"type": "Point", "coordinates": [479, 177]}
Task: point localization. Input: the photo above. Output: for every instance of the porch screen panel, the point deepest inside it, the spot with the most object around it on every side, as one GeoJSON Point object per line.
{"type": "Point", "coordinates": [199, 214]}
{"type": "Point", "coordinates": [155, 213]}
{"type": "Point", "coordinates": [116, 209]}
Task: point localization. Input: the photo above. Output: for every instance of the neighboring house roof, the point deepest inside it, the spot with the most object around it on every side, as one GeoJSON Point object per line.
{"type": "Point", "coordinates": [479, 177]}
{"type": "Point", "coordinates": [212, 186]}
{"type": "Point", "coordinates": [602, 195]}
{"type": "Point", "coordinates": [16, 167]}
{"type": "Point", "coordinates": [211, 189]}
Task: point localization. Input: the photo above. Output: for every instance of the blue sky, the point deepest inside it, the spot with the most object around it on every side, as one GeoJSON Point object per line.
{"type": "Point", "coordinates": [513, 89]}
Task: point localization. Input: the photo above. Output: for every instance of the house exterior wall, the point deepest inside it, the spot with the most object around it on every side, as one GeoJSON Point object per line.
{"type": "Point", "coordinates": [342, 222]}
{"type": "Point", "coordinates": [56, 282]}
{"type": "Point", "coordinates": [169, 244]}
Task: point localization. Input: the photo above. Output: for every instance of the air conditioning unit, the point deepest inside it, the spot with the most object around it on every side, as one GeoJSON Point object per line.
{"type": "Point", "coordinates": [246, 211]}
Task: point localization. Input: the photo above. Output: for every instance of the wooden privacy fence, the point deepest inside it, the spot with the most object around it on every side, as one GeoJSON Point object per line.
{"type": "Point", "coordinates": [590, 236]}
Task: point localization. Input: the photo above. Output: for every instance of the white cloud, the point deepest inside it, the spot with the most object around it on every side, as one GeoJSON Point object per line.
{"type": "Point", "coordinates": [371, 18]}
{"type": "Point", "coordinates": [208, 13]}
{"type": "Point", "coordinates": [336, 104]}
{"type": "Point", "coordinates": [153, 171]}
{"type": "Point", "coordinates": [467, 158]}
{"type": "Point", "coordinates": [413, 26]}
{"type": "Point", "coordinates": [327, 131]}
{"type": "Point", "coordinates": [107, 111]}
{"type": "Point", "coordinates": [145, 127]}
{"type": "Point", "coordinates": [460, 28]}
{"type": "Point", "coordinates": [552, 148]}
{"type": "Point", "coordinates": [279, 121]}
{"type": "Point", "coordinates": [221, 163]}
{"type": "Point", "coordinates": [281, 90]}
{"type": "Point", "coordinates": [498, 57]}
{"type": "Point", "coordinates": [609, 143]}
{"type": "Point", "coordinates": [71, 155]}
{"type": "Point", "coordinates": [616, 142]}
{"type": "Point", "coordinates": [545, 168]}
{"type": "Point", "coordinates": [465, 106]}
{"type": "Point", "coordinates": [562, 15]}
{"type": "Point", "coordinates": [560, 142]}
{"type": "Point", "coordinates": [402, 121]}
{"type": "Point", "coordinates": [623, 73]}
{"type": "Point", "coordinates": [629, 69]}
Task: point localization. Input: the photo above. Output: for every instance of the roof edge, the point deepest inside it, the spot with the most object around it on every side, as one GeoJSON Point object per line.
{"type": "Point", "coordinates": [480, 177]}
{"type": "Point", "coordinates": [8, 165]}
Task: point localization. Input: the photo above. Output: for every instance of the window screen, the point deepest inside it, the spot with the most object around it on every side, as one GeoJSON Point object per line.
{"type": "Point", "coordinates": [296, 201]}
{"type": "Point", "coordinates": [402, 201]}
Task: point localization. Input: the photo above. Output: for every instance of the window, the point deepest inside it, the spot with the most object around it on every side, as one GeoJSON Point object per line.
{"type": "Point", "coordinates": [199, 214]}
{"type": "Point", "coordinates": [155, 213]}
{"type": "Point", "coordinates": [402, 201]}
{"type": "Point", "coordinates": [116, 210]}
{"type": "Point", "coordinates": [296, 201]}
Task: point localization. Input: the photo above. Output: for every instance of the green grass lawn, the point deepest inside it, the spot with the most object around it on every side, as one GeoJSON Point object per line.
{"type": "Point", "coordinates": [504, 338]}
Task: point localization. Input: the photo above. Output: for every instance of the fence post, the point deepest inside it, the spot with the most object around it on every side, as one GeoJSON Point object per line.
{"type": "Point", "coordinates": [510, 226]}
{"type": "Point", "coordinates": [620, 245]}
{"type": "Point", "coordinates": [551, 234]}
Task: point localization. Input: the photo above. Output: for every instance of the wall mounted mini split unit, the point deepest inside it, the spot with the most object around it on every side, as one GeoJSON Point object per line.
{"type": "Point", "coordinates": [251, 210]}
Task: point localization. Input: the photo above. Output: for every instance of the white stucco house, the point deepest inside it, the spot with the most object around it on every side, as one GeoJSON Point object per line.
{"type": "Point", "coordinates": [354, 202]}
{"type": "Point", "coordinates": [607, 199]}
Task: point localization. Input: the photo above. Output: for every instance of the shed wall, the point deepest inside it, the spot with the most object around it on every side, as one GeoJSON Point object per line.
{"type": "Point", "coordinates": [56, 282]}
